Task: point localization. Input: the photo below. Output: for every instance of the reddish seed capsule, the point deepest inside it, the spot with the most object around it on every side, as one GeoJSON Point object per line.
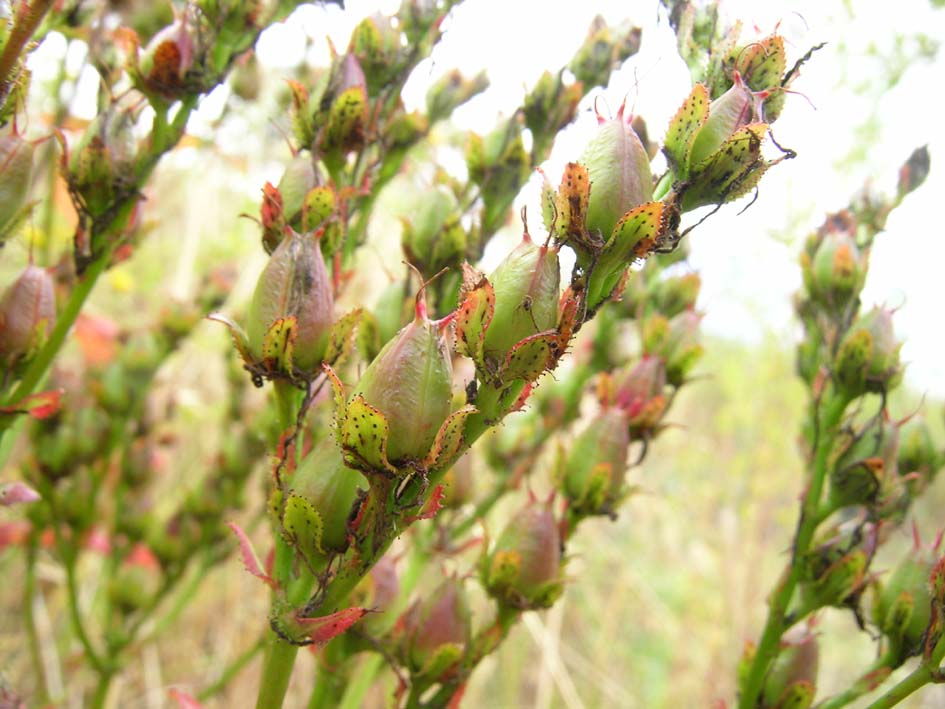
{"type": "Point", "coordinates": [27, 313]}
{"type": "Point", "coordinates": [410, 383]}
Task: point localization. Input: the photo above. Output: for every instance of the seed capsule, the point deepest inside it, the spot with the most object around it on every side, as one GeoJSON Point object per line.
{"type": "Point", "coordinates": [619, 171]}
{"type": "Point", "coordinates": [527, 285]}
{"type": "Point", "coordinates": [410, 383]}
{"type": "Point", "coordinates": [294, 284]}
{"type": "Point", "coordinates": [27, 313]}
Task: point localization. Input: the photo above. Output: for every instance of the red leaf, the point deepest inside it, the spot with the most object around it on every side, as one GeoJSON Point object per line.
{"type": "Point", "coordinates": [184, 700]}
{"type": "Point", "coordinates": [457, 697]}
{"type": "Point", "coordinates": [40, 405]}
{"type": "Point", "coordinates": [323, 629]}
{"type": "Point", "coordinates": [433, 504]}
{"type": "Point", "coordinates": [250, 560]}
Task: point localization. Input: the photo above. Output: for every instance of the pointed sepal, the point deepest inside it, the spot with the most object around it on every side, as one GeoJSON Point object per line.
{"type": "Point", "coordinates": [364, 434]}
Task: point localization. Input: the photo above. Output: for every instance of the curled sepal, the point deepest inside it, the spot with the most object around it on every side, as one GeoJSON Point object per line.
{"type": "Point", "coordinates": [729, 172]}
{"type": "Point", "coordinates": [279, 344]}
{"type": "Point", "coordinates": [634, 236]}
{"type": "Point", "coordinates": [799, 695]}
{"type": "Point", "coordinates": [449, 440]}
{"type": "Point", "coordinates": [337, 396]}
{"type": "Point", "coordinates": [40, 405]}
{"type": "Point", "coordinates": [364, 434]}
{"type": "Point", "coordinates": [303, 529]}
{"type": "Point", "coordinates": [248, 555]}
{"type": "Point", "coordinates": [474, 315]}
{"type": "Point", "coordinates": [682, 131]}
{"type": "Point", "coordinates": [240, 341]}
{"type": "Point", "coordinates": [443, 659]}
{"type": "Point", "coordinates": [341, 339]}
{"type": "Point", "coordinates": [762, 63]}
{"type": "Point", "coordinates": [571, 203]}
{"type": "Point", "coordinates": [530, 357]}
{"type": "Point", "coordinates": [346, 121]}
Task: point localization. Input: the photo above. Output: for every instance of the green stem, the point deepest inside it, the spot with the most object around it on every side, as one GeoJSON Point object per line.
{"type": "Point", "coordinates": [331, 676]}
{"type": "Point", "coordinates": [23, 28]}
{"type": "Point", "coordinates": [29, 592]}
{"type": "Point", "coordinates": [101, 690]}
{"type": "Point", "coordinates": [276, 673]}
{"type": "Point", "coordinates": [231, 670]}
{"type": "Point", "coordinates": [830, 415]}
{"type": "Point", "coordinates": [361, 682]}
{"type": "Point", "coordinates": [926, 673]}
{"type": "Point", "coordinates": [864, 685]}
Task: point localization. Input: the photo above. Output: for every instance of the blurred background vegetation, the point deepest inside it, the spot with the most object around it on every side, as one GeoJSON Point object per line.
{"type": "Point", "coordinates": [662, 600]}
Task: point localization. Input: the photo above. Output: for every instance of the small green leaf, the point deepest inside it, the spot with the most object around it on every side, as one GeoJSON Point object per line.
{"type": "Point", "coordinates": [799, 695]}
{"type": "Point", "coordinates": [279, 344]}
{"type": "Point", "coordinates": [303, 528]}
{"type": "Point", "coordinates": [342, 335]}
{"type": "Point", "coordinates": [338, 396]}
{"type": "Point", "coordinates": [449, 439]}
{"type": "Point", "coordinates": [364, 434]}
{"type": "Point", "coordinates": [762, 63]}
{"type": "Point", "coordinates": [444, 658]}
{"type": "Point", "coordinates": [237, 333]}
{"type": "Point", "coordinates": [530, 357]}
{"type": "Point", "coordinates": [634, 236]}
{"type": "Point", "coordinates": [474, 315]}
{"type": "Point", "coordinates": [683, 128]}
{"type": "Point", "coordinates": [730, 172]}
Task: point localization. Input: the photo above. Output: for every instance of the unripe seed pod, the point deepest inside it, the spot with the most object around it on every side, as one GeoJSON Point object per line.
{"type": "Point", "coordinates": [675, 341]}
{"type": "Point", "coordinates": [639, 394]}
{"type": "Point", "coordinates": [675, 294]}
{"type": "Point", "coordinates": [331, 488]}
{"type": "Point", "coordinates": [432, 237]}
{"type": "Point", "coordinates": [734, 109]}
{"type": "Point", "coordinates": [298, 179]}
{"type": "Point", "coordinates": [527, 285]}
{"type": "Point", "coordinates": [918, 456]}
{"type": "Point", "coordinates": [618, 168]}
{"type": "Point", "coordinates": [792, 680]}
{"type": "Point", "coordinates": [101, 166]}
{"type": "Point", "coordinates": [902, 608]}
{"type": "Point", "coordinates": [868, 357]}
{"type": "Point", "coordinates": [27, 313]}
{"type": "Point", "coordinates": [410, 383]}
{"type": "Point", "coordinates": [451, 91]}
{"type": "Point", "coordinates": [835, 275]}
{"type": "Point", "coordinates": [295, 283]}
{"type": "Point", "coordinates": [524, 568]}
{"type": "Point", "coordinates": [16, 174]}
{"type": "Point", "coordinates": [596, 465]}
{"type": "Point", "coordinates": [437, 629]}
{"type": "Point", "coordinates": [167, 59]}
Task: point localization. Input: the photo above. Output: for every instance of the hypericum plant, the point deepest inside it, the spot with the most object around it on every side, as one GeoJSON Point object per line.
{"type": "Point", "coordinates": [383, 417]}
{"type": "Point", "coordinates": [860, 483]}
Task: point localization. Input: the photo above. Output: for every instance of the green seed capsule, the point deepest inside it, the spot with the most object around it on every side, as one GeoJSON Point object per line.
{"type": "Point", "coordinates": [410, 383]}
{"type": "Point", "coordinates": [619, 171]}
{"type": "Point", "coordinates": [294, 284]}
{"type": "Point", "coordinates": [527, 285]}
